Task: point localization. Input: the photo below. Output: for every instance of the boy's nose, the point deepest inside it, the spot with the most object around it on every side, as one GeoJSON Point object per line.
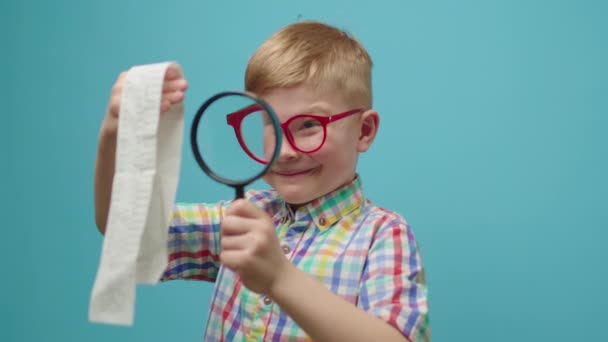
{"type": "Point", "coordinates": [287, 151]}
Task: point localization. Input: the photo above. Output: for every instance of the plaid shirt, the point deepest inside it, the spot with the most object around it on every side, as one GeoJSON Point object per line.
{"type": "Point", "coordinates": [365, 254]}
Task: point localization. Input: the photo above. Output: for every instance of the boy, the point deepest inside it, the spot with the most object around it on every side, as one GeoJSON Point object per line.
{"type": "Point", "coordinates": [312, 258]}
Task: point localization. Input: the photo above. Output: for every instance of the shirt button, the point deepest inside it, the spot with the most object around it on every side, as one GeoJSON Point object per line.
{"type": "Point", "coordinates": [286, 249]}
{"type": "Point", "coordinates": [322, 221]}
{"type": "Point", "coordinates": [267, 300]}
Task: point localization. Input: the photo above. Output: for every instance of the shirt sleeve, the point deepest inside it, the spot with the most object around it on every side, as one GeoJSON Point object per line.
{"type": "Point", "coordinates": [392, 285]}
{"type": "Point", "coordinates": [194, 242]}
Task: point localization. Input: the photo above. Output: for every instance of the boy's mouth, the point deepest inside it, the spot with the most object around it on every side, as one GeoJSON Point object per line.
{"type": "Point", "coordinates": [291, 173]}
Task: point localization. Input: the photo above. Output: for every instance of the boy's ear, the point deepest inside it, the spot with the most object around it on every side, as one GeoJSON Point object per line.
{"type": "Point", "coordinates": [370, 121]}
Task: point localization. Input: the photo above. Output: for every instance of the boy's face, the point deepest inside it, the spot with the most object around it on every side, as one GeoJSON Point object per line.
{"type": "Point", "coordinates": [300, 178]}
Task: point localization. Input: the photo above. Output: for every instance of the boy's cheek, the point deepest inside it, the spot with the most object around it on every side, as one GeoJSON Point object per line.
{"type": "Point", "coordinates": [268, 179]}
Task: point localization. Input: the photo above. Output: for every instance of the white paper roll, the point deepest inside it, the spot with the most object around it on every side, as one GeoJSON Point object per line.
{"type": "Point", "coordinates": [148, 157]}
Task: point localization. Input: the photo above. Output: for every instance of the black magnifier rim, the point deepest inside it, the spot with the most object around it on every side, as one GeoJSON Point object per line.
{"type": "Point", "coordinates": [197, 153]}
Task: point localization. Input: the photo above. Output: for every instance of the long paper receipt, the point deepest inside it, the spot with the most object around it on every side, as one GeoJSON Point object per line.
{"type": "Point", "coordinates": [148, 156]}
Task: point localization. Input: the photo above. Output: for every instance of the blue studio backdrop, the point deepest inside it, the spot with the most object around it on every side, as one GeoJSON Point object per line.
{"type": "Point", "coordinates": [492, 145]}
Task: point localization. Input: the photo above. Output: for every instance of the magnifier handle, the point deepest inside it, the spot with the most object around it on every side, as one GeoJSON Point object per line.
{"type": "Point", "coordinates": [240, 192]}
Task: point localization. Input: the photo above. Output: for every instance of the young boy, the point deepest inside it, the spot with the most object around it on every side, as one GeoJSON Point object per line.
{"type": "Point", "coordinates": [312, 258]}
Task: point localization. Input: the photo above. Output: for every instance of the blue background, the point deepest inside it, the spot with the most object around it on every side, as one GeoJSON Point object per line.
{"type": "Point", "coordinates": [492, 145]}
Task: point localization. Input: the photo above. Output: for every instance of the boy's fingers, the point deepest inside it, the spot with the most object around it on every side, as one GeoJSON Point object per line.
{"type": "Point", "coordinates": [173, 90]}
{"type": "Point", "coordinates": [235, 225]}
{"type": "Point", "coordinates": [235, 242]}
{"type": "Point", "coordinates": [233, 258]}
{"type": "Point", "coordinates": [174, 97]}
{"type": "Point", "coordinates": [114, 107]}
{"type": "Point", "coordinates": [170, 99]}
{"type": "Point", "coordinates": [174, 85]}
{"type": "Point", "coordinates": [121, 77]}
{"type": "Point", "coordinates": [173, 72]}
{"type": "Point", "coordinates": [165, 105]}
{"type": "Point", "coordinates": [243, 207]}
{"type": "Point", "coordinates": [117, 86]}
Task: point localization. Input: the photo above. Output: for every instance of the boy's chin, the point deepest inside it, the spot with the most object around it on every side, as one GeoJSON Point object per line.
{"type": "Point", "coordinates": [295, 196]}
{"type": "Point", "coordinates": [300, 192]}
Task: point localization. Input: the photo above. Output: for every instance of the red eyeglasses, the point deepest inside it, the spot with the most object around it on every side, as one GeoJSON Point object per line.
{"type": "Point", "coordinates": [306, 133]}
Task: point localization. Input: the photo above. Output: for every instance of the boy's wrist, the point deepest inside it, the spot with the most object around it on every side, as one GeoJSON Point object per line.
{"type": "Point", "coordinates": [284, 276]}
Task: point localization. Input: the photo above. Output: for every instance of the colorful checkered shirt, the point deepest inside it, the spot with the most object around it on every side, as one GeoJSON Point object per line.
{"type": "Point", "coordinates": [365, 254]}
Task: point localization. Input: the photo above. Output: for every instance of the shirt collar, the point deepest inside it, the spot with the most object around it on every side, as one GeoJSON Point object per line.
{"type": "Point", "coordinates": [326, 210]}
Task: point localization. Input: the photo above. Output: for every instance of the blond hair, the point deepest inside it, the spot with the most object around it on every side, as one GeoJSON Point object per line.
{"type": "Point", "coordinates": [315, 54]}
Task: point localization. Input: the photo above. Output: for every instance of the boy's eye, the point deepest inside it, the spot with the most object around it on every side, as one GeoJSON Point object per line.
{"type": "Point", "coordinates": [310, 123]}
{"type": "Point", "coordinates": [305, 126]}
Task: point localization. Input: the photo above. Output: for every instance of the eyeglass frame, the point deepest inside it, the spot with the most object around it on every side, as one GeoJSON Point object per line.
{"type": "Point", "coordinates": [235, 120]}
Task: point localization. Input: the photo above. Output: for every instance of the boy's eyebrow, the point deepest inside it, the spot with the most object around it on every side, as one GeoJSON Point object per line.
{"type": "Point", "coordinates": [316, 108]}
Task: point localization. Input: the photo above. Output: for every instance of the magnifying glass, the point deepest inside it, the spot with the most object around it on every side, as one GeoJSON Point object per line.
{"type": "Point", "coordinates": [236, 138]}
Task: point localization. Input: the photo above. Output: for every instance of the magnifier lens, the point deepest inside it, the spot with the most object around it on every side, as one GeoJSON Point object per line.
{"type": "Point", "coordinates": [257, 134]}
{"type": "Point", "coordinates": [236, 138]}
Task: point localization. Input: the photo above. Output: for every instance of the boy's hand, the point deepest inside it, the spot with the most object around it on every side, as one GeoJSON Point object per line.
{"type": "Point", "coordinates": [174, 88]}
{"type": "Point", "coordinates": [250, 246]}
